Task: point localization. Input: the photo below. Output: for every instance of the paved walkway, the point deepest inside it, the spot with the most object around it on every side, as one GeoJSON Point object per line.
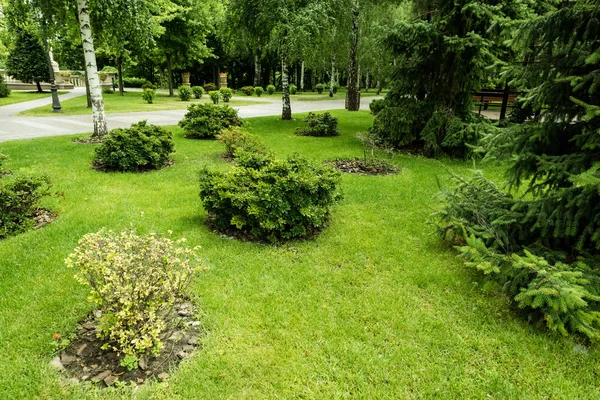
{"type": "Point", "coordinates": [14, 127]}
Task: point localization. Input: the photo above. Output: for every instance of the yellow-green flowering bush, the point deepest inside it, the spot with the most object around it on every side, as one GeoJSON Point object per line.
{"type": "Point", "coordinates": [135, 280]}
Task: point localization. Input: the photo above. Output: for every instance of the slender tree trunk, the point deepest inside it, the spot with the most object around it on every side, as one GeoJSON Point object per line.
{"type": "Point", "coordinates": [257, 69]}
{"type": "Point", "coordinates": [170, 74]}
{"type": "Point", "coordinates": [379, 83]}
{"type": "Point", "coordinates": [302, 77]}
{"type": "Point", "coordinates": [120, 72]}
{"type": "Point", "coordinates": [367, 81]}
{"type": "Point", "coordinates": [39, 86]}
{"type": "Point", "coordinates": [100, 126]}
{"type": "Point", "coordinates": [286, 113]}
{"type": "Point", "coordinates": [313, 79]}
{"type": "Point", "coordinates": [332, 80]}
{"type": "Point", "coordinates": [353, 95]}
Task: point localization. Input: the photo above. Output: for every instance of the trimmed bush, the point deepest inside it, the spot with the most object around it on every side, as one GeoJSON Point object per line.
{"type": "Point", "coordinates": [148, 95]}
{"type": "Point", "coordinates": [237, 140]}
{"type": "Point", "coordinates": [320, 125]}
{"type": "Point", "coordinates": [269, 199]}
{"type": "Point", "coordinates": [4, 90]}
{"type": "Point", "coordinates": [141, 147]}
{"type": "Point", "coordinates": [134, 82]}
{"type": "Point", "coordinates": [226, 94]}
{"type": "Point", "coordinates": [271, 89]}
{"type": "Point", "coordinates": [184, 92]}
{"type": "Point", "coordinates": [248, 90]}
{"type": "Point", "coordinates": [148, 85]}
{"type": "Point", "coordinates": [135, 280]}
{"type": "Point", "coordinates": [293, 89]}
{"type": "Point", "coordinates": [205, 121]}
{"type": "Point", "coordinates": [376, 106]}
{"type": "Point", "coordinates": [19, 200]}
{"type": "Point", "coordinates": [210, 87]}
{"type": "Point", "coordinates": [320, 87]}
{"type": "Point", "coordinates": [215, 96]}
{"type": "Point", "coordinates": [198, 91]}
{"type": "Point", "coordinates": [108, 91]}
{"type": "Point", "coordinates": [259, 91]}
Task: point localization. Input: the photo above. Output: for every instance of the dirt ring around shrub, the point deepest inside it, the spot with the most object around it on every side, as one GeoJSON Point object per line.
{"type": "Point", "coordinates": [362, 167]}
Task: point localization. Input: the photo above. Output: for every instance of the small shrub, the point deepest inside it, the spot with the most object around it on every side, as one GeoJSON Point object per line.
{"type": "Point", "coordinates": [271, 89]}
{"type": "Point", "coordinates": [226, 94]}
{"type": "Point", "coordinates": [293, 89]}
{"type": "Point", "coordinates": [198, 91]}
{"type": "Point", "coordinates": [134, 82]}
{"type": "Point", "coordinates": [108, 90]}
{"type": "Point", "coordinates": [185, 93]}
{"type": "Point", "coordinates": [336, 87]}
{"type": "Point", "coordinates": [205, 121]}
{"type": "Point", "coordinates": [270, 199]}
{"type": "Point", "coordinates": [19, 200]}
{"type": "Point", "coordinates": [215, 96]}
{"type": "Point", "coordinates": [4, 90]}
{"type": "Point", "coordinates": [210, 87]}
{"type": "Point", "coordinates": [320, 87]}
{"type": "Point", "coordinates": [148, 95]}
{"type": "Point", "coordinates": [320, 125]}
{"type": "Point", "coordinates": [148, 85]}
{"type": "Point", "coordinates": [376, 106]}
{"type": "Point", "coordinates": [135, 280]}
{"type": "Point", "coordinates": [259, 91]}
{"type": "Point", "coordinates": [140, 147]}
{"type": "Point", "coordinates": [248, 90]}
{"type": "Point", "coordinates": [237, 140]}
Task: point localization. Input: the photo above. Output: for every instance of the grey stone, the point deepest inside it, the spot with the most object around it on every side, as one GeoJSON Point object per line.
{"type": "Point", "coordinates": [163, 375]}
{"type": "Point", "coordinates": [182, 355]}
{"type": "Point", "coordinates": [67, 359]}
{"type": "Point", "coordinates": [188, 348]}
{"type": "Point", "coordinates": [74, 380]}
{"type": "Point", "coordinates": [148, 372]}
{"type": "Point", "coordinates": [81, 349]}
{"type": "Point", "coordinates": [143, 362]}
{"type": "Point", "coordinates": [196, 323]}
{"type": "Point", "coordinates": [193, 340]}
{"type": "Point", "coordinates": [176, 336]}
{"type": "Point", "coordinates": [89, 326]}
{"type": "Point", "coordinates": [85, 377]}
{"type": "Point", "coordinates": [102, 375]}
{"type": "Point", "coordinates": [56, 363]}
{"type": "Point", "coordinates": [110, 380]}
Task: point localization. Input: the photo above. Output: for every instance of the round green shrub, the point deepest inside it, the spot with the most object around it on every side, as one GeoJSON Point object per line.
{"type": "Point", "coordinates": [198, 91]}
{"type": "Point", "coordinates": [320, 125]}
{"type": "Point", "coordinates": [271, 89]}
{"type": "Point", "coordinates": [293, 89]}
{"type": "Point", "coordinates": [185, 93]}
{"type": "Point", "coordinates": [141, 147]}
{"type": "Point", "coordinates": [376, 106]}
{"type": "Point", "coordinates": [236, 140]}
{"type": "Point", "coordinates": [148, 85]}
{"type": "Point", "coordinates": [248, 90]}
{"type": "Point", "coordinates": [320, 87]}
{"type": "Point", "coordinates": [205, 121]}
{"type": "Point", "coordinates": [215, 96]}
{"type": "Point", "coordinates": [4, 90]}
{"type": "Point", "coordinates": [226, 94]}
{"type": "Point", "coordinates": [210, 87]}
{"type": "Point", "coordinates": [269, 199]}
{"type": "Point", "coordinates": [148, 95]}
{"type": "Point", "coordinates": [259, 91]}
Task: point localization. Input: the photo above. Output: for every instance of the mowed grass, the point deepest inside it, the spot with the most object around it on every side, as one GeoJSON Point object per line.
{"type": "Point", "coordinates": [20, 96]}
{"type": "Point", "coordinates": [130, 102]}
{"type": "Point", "coordinates": [374, 308]}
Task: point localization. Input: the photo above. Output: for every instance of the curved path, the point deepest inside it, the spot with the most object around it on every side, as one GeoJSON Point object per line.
{"type": "Point", "coordinates": [14, 127]}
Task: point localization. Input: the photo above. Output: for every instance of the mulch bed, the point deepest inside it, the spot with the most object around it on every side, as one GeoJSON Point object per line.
{"type": "Point", "coordinates": [88, 140]}
{"type": "Point", "coordinates": [362, 167]}
{"type": "Point", "coordinates": [43, 217]}
{"type": "Point", "coordinates": [84, 360]}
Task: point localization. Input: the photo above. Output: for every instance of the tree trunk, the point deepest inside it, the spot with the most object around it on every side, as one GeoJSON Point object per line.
{"type": "Point", "coordinates": [313, 79]}
{"type": "Point", "coordinates": [367, 81]}
{"type": "Point", "coordinates": [120, 72]}
{"type": "Point", "coordinates": [100, 126]}
{"type": "Point", "coordinates": [88, 93]}
{"type": "Point", "coordinates": [353, 95]}
{"type": "Point", "coordinates": [286, 113]}
{"type": "Point", "coordinates": [170, 74]}
{"type": "Point", "coordinates": [332, 80]}
{"type": "Point", "coordinates": [257, 70]}
{"type": "Point", "coordinates": [39, 86]}
{"type": "Point", "coordinates": [302, 77]}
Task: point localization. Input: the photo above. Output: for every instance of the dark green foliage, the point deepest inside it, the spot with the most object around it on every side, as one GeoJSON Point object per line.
{"type": "Point", "coordinates": [293, 89]}
{"type": "Point", "coordinates": [141, 147]}
{"type": "Point", "coordinates": [259, 91]}
{"type": "Point", "coordinates": [19, 200]}
{"type": "Point", "coordinates": [215, 96]}
{"type": "Point", "coordinates": [520, 112]}
{"type": "Point", "coordinates": [271, 199]}
{"type": "Point", "coordinates": [320, 87]}
{"type": "Point", "coordinates": [376, 106]}
{"type": "Point", "coordinates": [320, 125]}
{"type": "Point", "coordinates": [271, 89]}
{"type": "Point", "coordinates": [135, 82]}
{"type": "Point", "coordinates": [27, 60]}
{"type": "Point", "coordinates": [248, 90]}
{"type": "Point", "coordinates": [210, 87]}
{"type": "Point", "coordinates": [198, 91]}
{"type": "Point", "coordinates": [148, 85]}
{"type": "Point", "coordinates": [4, 90]}
{"type": "Point", "coordinates": [226, 94]}
{"type": "Point", "coordinates": [237, 140]}
{"type": "Point", "coordinates": [184, 92]}
{"type": "Point", "coordinates": [205, 121]}
{"type": "Point", "coordinates": [148, 95]}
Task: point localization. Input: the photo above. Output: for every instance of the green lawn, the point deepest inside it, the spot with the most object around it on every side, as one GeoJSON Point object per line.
{"type": "Point", "coordinates": [374, 308]}
{"type": "Point", "coordinates": [19, 96]}
{"type": "Point", "coordinates": [131, 102]}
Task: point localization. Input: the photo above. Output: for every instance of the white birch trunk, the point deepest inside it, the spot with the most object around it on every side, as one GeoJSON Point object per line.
{"type": "Point", "coordinates": [100, 127]}
{"type": "Point", "coordinates": [286, 113]}
{"type": "Point", "coordinates": [332, 80]}
{"type": "Point", "coordinates": [302, 77]}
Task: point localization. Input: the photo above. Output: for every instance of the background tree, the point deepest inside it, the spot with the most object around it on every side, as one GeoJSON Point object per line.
{"type": "Point", "coordinates": [27, 60]}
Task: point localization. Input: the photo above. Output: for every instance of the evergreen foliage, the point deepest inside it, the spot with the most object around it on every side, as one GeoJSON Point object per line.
{"type": "Point", "coordinates": [205, 121]}
{"type": "Point", "coordinates": [4, 90]}
{"type": "Point", "coordinates": [28, 61]}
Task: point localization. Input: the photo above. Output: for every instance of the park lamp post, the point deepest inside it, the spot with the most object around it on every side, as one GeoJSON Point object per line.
{"type": "Point", "coordinates": [56, 107]}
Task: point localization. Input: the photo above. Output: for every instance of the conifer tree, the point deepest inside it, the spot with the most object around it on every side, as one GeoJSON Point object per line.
{"type": "Point", "coordinates": [27, 60]}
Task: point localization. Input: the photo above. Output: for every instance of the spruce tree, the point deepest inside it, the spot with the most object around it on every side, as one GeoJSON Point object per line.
{"type": "Point", "coordinates": [27, 60]}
